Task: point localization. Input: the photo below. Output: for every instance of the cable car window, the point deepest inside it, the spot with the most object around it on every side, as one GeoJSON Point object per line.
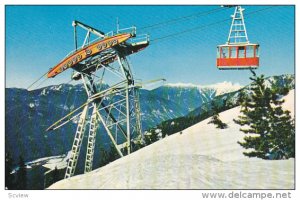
{"type": "Point", "coordinates": [218, 52]}
{"type": "Point", "coordinates": [232, 52]}
{"type": "Point", "coordinates": [225, 52]}
{"type": "Point", "coordinates": [249, 52]}
{"type": "Point", "coordinates": [257, 51]}
{"type": "Point", "coordinates": [241, 52]}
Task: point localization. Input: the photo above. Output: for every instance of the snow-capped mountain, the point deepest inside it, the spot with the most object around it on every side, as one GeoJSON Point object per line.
{"type": "Point", "coordinates": [218, 88]}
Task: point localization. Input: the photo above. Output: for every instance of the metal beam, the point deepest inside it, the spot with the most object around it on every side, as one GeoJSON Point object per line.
{"type": "Point", "coordinates": [88, 28]}
{"type": "Point", "coordinates": [109, 134]}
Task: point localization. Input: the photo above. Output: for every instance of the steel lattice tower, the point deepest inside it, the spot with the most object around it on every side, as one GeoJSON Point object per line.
{"type": "Point", "coordinates": [116, 107]}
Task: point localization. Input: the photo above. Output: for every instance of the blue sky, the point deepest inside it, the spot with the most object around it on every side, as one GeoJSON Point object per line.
{"type": "Point", "coordinates": [38, 37]}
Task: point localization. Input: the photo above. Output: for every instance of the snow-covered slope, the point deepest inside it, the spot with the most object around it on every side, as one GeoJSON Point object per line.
{"type": "Point", "coordinates": [201, 157]}
{"type": "Point", "coordinates": [289, 102]}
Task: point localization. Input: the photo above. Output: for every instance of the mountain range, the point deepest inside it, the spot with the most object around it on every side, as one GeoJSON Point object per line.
{"type": "Point", "coordinates": [29, 113]}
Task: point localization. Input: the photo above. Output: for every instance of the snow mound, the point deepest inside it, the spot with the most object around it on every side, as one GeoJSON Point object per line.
{"type": "Point", "coordinates": [60, 162]}
{"type": "Point", "coordinates": [201, 157]}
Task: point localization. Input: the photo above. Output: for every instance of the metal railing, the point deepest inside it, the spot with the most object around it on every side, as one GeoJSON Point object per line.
{"type": "Point", "coordinates": [131, 30]}
{"type": "Point", "coordinates": [144, 38]}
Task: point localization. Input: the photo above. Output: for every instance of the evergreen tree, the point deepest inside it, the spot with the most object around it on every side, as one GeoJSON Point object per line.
{"type": "Point", "coordinates": [113, 154]}
{"type": "Point", "coordinates": [241, 97]}
{"type": "Point", "coordinates": [55, 175]}
{"type": "Point", "coordinates": [272, 129]}
{"type": "Point", "coordinates": [138, 143]}
{"type": "Point", "coordinates": [22, 175]}
{"type": "Point", "coordinates": [103, 157]}
{"type": "Point", "coordinates": [152, 136]}
{"type": "Point", "coordinates": [282, 128]}
{"type": "Point", "coordinates": [9, 178]}
{"type": "Point", "coordinates": [216, 118]}
{"type": "Point", "coordinates": [107, 156]}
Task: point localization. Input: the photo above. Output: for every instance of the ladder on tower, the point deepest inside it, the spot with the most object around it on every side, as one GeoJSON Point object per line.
{"type": "Point", "coordinates": [77, 144]}
{"type": "Point", "coordinates": [91, 141]}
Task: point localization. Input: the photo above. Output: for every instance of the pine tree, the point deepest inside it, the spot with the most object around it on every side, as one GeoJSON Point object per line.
{"type": "Point", "coordinates": [152, 135]}
{"type": "Point", "coordinates": [55, 175]}
{"type": "Point", "coordinates": [216, 118]}
{"type": "Point", "coordinates": [103, 157]}
{"type": "Point", "coordinates": [138, 143]}
{"type": "Point", "coordinates": [113, 154]}
{"type": "Point", "coordinates": [22, 175]}
{"type": "Point", "coordinates": [242, 97]}
{"type": "Point", "coordinates": [282, 128]}
{"type": "Point", "coordinates": [9, 178]}
{"type": "Point", "coordinates": [272, 129]}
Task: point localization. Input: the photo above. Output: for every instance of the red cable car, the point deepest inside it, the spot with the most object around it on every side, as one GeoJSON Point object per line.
{"type": "Point", "coordinates": [238, 52]}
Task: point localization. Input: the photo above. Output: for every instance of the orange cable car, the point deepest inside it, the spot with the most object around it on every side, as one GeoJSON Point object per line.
{"type": "Point", "coordinates": [238, 52]}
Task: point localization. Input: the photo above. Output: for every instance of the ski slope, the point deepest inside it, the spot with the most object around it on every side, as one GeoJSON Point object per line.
{"type": "Point", "coordinates": [201, 157]}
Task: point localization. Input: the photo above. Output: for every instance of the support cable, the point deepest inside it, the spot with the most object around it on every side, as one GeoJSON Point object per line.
{"type": "Point", "coordinates": [183, 18]}
{"type": "Point", "coordinates": [205, 26]}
